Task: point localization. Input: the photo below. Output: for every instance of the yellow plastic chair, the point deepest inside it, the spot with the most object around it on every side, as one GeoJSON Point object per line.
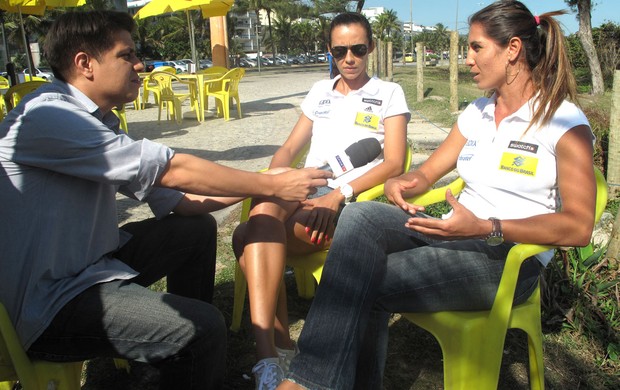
{"type": "Point", "coordinates": [3, 112]}
{"type": "Point", "coordinates": [215, 70]}
{"type": "Point", "coordinates": [223, 89]}
{"type": "Point", "coordinates": [472, 343]}
{"type": "Point", "coordinates": [28, 78]}
{"type": "Point", "coordinates": [4, 83]}
{"type": "Point", "coordinates": [308, 267]}
{"type": "Point", "coordinates": [122, 116]}
{"type": "Point", "coordinates": [150, 86]}
{"type": "Point", "coordinates": [15, 93]}
{"type": "Point", "coordinates": [173, 100]}
{"type": "Point", "coordinates": [15, 365]}
{"type": "Point", "coordinates": [213, 73]}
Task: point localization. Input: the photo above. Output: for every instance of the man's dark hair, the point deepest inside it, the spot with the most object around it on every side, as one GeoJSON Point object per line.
{"type": "Point", "coordinates": [92, 32]}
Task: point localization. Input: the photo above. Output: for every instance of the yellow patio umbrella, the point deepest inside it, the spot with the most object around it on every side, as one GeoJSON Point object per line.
{"type": "Point", "coordinates": [34, 7]}
{"type": "Point", "coordinates": [209, 8]}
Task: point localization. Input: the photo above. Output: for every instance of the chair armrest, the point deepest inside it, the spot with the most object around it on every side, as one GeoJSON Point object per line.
{"type": "Point", "coordinates": [371, 193]}
{"type": "Point", "coordinates": [437, 195]}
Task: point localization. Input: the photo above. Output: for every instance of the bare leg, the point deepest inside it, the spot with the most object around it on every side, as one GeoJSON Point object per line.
{"type": "Point", "coordinates": [261, 247]}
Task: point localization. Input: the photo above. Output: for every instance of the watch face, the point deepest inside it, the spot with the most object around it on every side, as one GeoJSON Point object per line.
{"type": "Point", "coordinates": [495, 240]}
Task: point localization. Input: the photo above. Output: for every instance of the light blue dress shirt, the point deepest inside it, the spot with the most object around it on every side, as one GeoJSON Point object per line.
{"type": "Point", "coordinates": [61, 165]}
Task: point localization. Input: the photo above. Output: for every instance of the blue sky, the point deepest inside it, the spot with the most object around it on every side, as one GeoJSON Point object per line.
{"type": "Point", "coordinates": [431, 12]}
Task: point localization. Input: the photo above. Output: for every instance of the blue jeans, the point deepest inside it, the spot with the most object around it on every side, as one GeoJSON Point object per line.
{"type": "Point", "coordinates": [178, 332]}
{"type": "Point", "coordinates": [375, 267]}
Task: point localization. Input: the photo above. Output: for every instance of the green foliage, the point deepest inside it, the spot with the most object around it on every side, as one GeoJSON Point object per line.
{"type": "Point", "coordinates": [581, 295]}
{"type": "Point", "coordinates": [607, 41]}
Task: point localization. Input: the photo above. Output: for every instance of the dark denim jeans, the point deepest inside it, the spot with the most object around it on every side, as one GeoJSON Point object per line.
{"type": "Point", "coordinates": [376, 267]}
{"type": "Point", "coordinates": [179, 332]}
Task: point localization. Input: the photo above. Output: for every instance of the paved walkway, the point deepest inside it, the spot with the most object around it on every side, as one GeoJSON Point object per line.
{"type": "Point", "coordinates": [270, 103]}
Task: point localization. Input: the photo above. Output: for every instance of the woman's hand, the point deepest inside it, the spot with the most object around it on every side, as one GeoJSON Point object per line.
{"type": "Point", "coordinates": [462, 223]}
{"type": "Point", "coordinates": [320, 222]}
{"type": "Point", "coordinates": [394, 190]}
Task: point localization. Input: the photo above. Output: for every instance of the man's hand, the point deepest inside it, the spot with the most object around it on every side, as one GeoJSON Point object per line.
{"type": "Point", "coordinates": [297, 184]}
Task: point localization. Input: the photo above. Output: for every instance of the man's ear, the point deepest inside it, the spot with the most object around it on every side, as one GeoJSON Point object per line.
{"type": "Point", "coordinates": [83, 64]}
{"type": "Point", "coordinates": [371, 46]}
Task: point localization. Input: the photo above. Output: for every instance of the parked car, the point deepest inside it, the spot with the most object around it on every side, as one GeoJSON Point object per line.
{"type": "Point", "coordinates": [180, 66]}
{"type": "Point", "coordinates": [247, 63]}
{"type": "Point", "coordinates": [281, 60]}
{"type": "Point", "coordinates": [205, 63]}
{"type": "Point", "coordinates": [321, 57]}
{"type": "Point", "coordinates": [44, 73]}
{"type": "Point", "coordinates": [298, 60]}
{"type": "Point", "coordinates": [150, 65]}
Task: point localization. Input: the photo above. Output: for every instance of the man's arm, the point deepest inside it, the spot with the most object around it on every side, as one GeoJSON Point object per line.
{"type": "Point", "coordinates": [202, 177]}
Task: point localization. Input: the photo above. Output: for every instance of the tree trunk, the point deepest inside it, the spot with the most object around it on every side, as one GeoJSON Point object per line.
{"type": "Point", "coordinates": [613, 250]}
{"type": "Point", "coordinates": [613, 148]}
{"type": "Point", "coordinates": [585, 36]}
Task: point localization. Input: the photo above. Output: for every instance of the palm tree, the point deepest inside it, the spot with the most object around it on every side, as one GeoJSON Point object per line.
{"type": "Point", "coordinates": [386, 24]}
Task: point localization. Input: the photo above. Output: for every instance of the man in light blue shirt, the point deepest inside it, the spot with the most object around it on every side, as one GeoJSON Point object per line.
{"type": "Point", "coordinates": [74, 283]}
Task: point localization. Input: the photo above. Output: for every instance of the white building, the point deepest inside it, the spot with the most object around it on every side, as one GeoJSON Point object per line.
{"type": "Point", "coordinates": [372, 13]}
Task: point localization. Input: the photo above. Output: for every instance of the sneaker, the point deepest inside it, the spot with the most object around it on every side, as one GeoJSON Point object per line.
{"type": "Point", "coordinates": [286, 355]}
{"type": "Point", "coordinates": [268, 374]}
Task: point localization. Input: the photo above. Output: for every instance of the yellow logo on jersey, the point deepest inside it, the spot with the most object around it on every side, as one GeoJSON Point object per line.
{"type": "Point", "coordinates": [517, 163]}
{"type": "Point", "coordinates": [368, 120]}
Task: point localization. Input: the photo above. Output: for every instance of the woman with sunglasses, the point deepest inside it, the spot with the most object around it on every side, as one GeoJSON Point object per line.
{"type": "Point", "coordinates": [525, 154]}
{"type": "Point", "coordinates": [336, 114]}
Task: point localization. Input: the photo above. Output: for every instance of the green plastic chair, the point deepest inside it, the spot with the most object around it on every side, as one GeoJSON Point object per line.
{"type": "Point", "coordinates": [309, 267]}
{"type": "Point", "coordinates": [472, 343]}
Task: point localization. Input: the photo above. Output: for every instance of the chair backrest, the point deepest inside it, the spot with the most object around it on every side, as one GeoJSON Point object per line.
{"type": "Point", "coordinates": [28, 77]}
{"type": "Point", "coordinates": [164, 81]}
{"type": "Point", "coordinates": [16, 93]}
{"type": "Point", "coordinates": [214, 70]}
{"type": "Point", "coordinates": [165, 68]}
{"type": "Point", "coordinates": [4, 83]}
{"type": "Point", "coordinates": [234, 75]}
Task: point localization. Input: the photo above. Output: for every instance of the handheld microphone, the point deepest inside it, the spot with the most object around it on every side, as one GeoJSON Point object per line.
{"type": "Point", "coordinates": [356, 155]}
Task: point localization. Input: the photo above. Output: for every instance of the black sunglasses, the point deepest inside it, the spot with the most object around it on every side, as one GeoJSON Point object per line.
{"type": "Point", "coordinates": [339, 52]}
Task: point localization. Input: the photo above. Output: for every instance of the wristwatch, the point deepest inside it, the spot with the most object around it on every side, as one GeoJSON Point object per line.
{"type": "Point", "coordinates": [346, 191]}
{"type": "Point", "coordinates": [496, 237]}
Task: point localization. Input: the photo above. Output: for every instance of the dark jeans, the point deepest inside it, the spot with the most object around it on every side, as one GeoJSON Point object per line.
{"type": "Point", "coordinates": [376, 266]}
{"type": "Point", "coordinates": [178, 332]}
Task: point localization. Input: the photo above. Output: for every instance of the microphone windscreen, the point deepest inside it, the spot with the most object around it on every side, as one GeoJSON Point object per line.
{"type": "Point", "coordinates": [363, 151]}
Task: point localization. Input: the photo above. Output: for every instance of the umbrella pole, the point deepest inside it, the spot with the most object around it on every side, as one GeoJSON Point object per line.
{"type": "Point", "coordinates": [192, 38]}
{"type": "Point", "coordinates": [26, 45]}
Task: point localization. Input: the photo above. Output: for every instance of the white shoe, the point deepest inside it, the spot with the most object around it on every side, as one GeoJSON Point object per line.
{"type": "Point", "coordinates": [286, 355]}
{"type": "Point", "coordinates": [268, 374]}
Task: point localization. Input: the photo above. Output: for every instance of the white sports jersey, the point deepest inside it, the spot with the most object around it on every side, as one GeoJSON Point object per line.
{"type": "Point", "coordinates": [339, 120]}
{"type": "Point", "coordinates": [511, 174]}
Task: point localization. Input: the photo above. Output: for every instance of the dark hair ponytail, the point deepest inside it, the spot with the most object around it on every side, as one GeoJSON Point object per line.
{"type": "Point", "coordinates": [544, 47]}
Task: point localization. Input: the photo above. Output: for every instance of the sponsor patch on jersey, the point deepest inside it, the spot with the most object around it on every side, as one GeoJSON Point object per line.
{"type": "Point", "coordinates": [376, 102]}
{"type": "Point", "coordinates": [368, 109]}
{"type": "Point", "coordinates": [524, 146]}
{"type": "Point", "coordinates": [465, 157]}
{"type": "Point", "coordinates": [324, 102]}
{"type": "Point", "coordinates": [518, 163]}
{"type": "Point", "coordinates": [369, 121]}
